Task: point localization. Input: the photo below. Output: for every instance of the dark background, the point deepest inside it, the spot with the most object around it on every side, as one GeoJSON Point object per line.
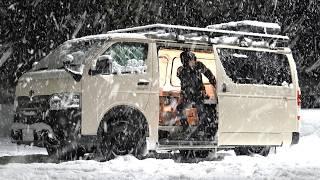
{"type": "Point", "coordinates": [30, 29]}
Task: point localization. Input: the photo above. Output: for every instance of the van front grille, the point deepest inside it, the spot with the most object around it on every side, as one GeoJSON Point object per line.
{"type": "Point", "coordinates": [37, 102]}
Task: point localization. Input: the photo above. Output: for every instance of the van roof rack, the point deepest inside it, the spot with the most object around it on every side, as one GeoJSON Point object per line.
{"type": "Point", "coordinates": [208, 35]}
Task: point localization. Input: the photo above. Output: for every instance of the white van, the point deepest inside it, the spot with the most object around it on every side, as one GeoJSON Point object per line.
{"type": "Point", "coordinates": [118, 92]}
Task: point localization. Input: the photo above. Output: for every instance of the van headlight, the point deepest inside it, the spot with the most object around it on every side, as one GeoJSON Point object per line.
{"type": "Point", "coordinates": [64, 101]}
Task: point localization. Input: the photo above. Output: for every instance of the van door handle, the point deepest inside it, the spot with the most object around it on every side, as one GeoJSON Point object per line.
{"type": "Point", "coordinates": [143, 82]}
{"type": "Point", "coordinates": [224, 87]}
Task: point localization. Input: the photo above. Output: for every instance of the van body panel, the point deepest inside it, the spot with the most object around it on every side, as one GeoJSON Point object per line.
{"type": "Point", "coordinates": [247, 139]}
{"type": "Point", "coordinates": [102, 92]}
{"type": "Point", "coordinates": [254, 112]}
{"type": "Point", "coordinates": [151, 111]}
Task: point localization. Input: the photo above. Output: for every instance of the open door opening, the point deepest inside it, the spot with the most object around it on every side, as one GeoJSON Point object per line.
{"type": "Point", "coordinates": [180, 121]}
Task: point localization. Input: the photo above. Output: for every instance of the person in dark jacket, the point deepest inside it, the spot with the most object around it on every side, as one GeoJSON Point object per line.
{"type": "Point", "coordinates": [192, 87]}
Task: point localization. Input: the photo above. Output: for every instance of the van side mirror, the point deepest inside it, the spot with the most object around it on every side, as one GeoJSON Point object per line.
{"type": "Point", "coordinates": [102, 66]}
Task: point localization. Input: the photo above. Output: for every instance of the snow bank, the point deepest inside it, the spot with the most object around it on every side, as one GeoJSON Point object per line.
{"type": "Point", "coordinates": [10, 149]}
{"type": "Point", "coordinates": [310, 122]}
{"type": "Point", "coordinates": [300, 161]}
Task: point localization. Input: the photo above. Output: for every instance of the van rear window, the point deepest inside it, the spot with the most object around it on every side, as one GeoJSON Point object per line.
{"type": "Point", "coordinates": [256, 67]}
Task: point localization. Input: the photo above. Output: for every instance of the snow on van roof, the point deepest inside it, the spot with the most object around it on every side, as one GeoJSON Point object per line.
{"type": "Point", "coordinates": [212, 34]}
{"type": "Point", "coordinates": [274, 28]}
{"type": "Point", "coordinates": [107, 36]}
{"type": "Point", "coordinates": [140, 32]}
{"type": "Point", "coordinates": [245, 22]}
{"type": "Point", "coordinates": [161, 28]}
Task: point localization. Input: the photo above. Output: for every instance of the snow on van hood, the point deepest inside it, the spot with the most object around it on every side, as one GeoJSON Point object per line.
{"type": "Point", "coordinates": [47, 82]}
{"type": "Point", "coordinates": [45, 74]}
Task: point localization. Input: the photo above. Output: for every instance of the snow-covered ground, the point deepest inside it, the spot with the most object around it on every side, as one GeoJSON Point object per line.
{"type": "Point", "coordinates": [297, 162]}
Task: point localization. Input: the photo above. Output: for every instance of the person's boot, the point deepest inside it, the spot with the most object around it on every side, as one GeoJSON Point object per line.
{"type": "Point", "coordinates": [184, 124]}
{"type": "Point", "coordinates": [201, 132]}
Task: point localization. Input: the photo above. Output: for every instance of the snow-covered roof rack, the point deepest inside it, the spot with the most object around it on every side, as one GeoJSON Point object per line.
{"type": "Point", "coordinates": [205, 35]}
{"type": "Point", "coordinates": [249, 26]}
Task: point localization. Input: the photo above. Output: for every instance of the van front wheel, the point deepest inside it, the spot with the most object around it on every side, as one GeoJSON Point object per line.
{"type": "Point", "coordinates": [121, 138]}
{"type": "Point", "coordinates": [250, 150]}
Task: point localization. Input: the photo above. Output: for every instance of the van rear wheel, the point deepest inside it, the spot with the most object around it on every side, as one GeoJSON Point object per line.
{"type": "Point", "coordinates": [250, 150]}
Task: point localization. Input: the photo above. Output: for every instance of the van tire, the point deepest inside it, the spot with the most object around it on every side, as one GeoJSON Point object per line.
{"type": "Point", "coordinates": [60, 154]}
{"type": "Point", "coordinates": [63, 146]}
{"type": "Point", "coordinates": [64, 152]}
{"type": "Point", "coordinates": [251, 150]}
{"type": "Point", "coordinates": [190, 154]}
{"type": "Point", "coordinates": [123, 134]}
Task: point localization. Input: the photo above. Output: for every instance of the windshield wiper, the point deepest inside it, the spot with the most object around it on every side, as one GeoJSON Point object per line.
{"type": "Point", "coordinates": [61, 67]}
{"type": "Point", "coordinates": [40, 69]}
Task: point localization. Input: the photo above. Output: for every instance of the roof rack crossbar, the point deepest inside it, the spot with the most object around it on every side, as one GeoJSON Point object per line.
{"type": "Point", "coordinates": [183, 30]}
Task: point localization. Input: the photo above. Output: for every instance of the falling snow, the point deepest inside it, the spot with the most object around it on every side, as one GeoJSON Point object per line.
{"type": "Point", "coordinates": [32, 29]}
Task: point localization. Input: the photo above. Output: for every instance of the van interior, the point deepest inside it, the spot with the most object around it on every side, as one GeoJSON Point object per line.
{"type": "Point", "coordinates": [171, 128]}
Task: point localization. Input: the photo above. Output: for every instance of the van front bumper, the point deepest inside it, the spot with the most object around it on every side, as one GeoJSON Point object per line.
{"type": "Point", "coordinates": [36, 133]}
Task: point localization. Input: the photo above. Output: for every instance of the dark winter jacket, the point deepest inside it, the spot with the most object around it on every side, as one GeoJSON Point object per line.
{"type": "Point", "coordinates": [192, 87]}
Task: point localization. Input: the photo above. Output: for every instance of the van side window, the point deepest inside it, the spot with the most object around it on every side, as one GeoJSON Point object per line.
{"type": "Point", "coordinates": [128, 57]}
{"type": "Point", "coordinates": [256, 67]}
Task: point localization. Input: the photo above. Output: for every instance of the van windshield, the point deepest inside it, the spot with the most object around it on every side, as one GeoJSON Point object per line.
{"type": "Point", "coordinates": [73, 54]}
{"type": "Point", "coordinates": [256, 67]}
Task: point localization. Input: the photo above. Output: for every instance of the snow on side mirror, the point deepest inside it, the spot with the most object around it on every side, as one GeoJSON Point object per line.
{"type": "Point", "coordinates": [104, 57]}
{"type": "Point", "coordinates": [67, 59]}
{"type": "Point", "coordinates": [34, 65]}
